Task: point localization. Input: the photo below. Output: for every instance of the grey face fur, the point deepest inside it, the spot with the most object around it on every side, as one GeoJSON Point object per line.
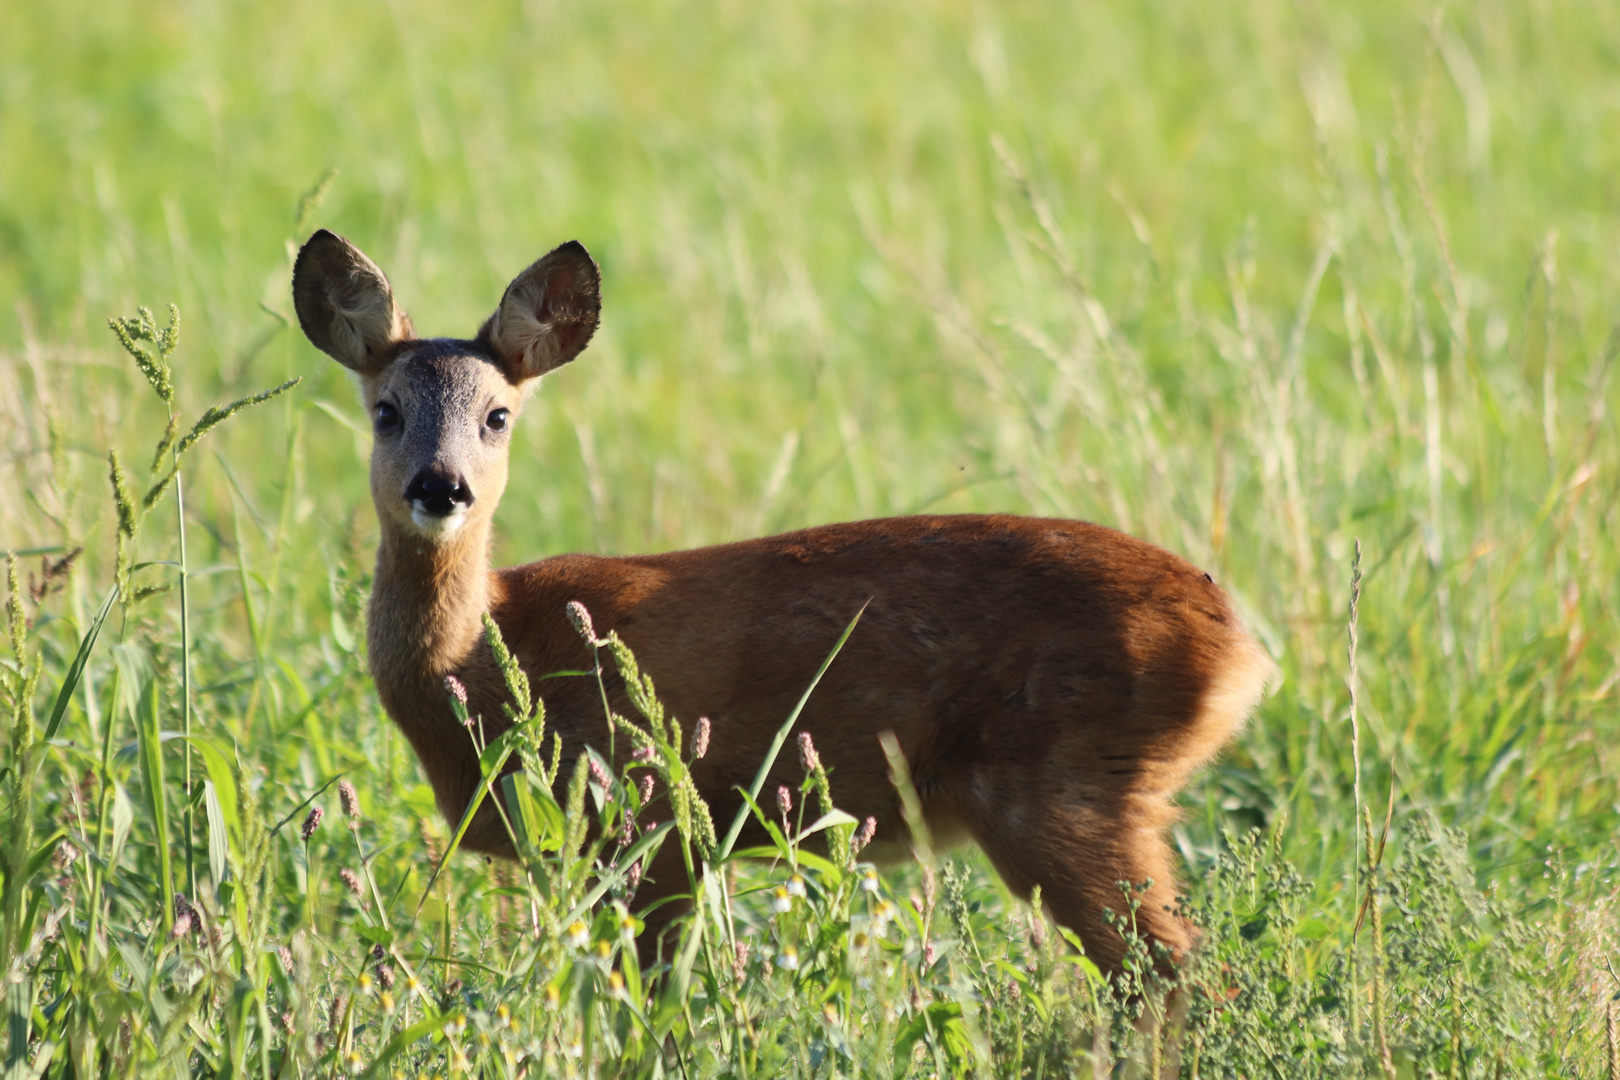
{"type": "Point", "coordinates": [442, 409]}
{"type": "Point", "coordinates": [442, 413]}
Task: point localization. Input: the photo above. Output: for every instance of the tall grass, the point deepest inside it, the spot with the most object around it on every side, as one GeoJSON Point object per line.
{"type": "Point", "coordinates": [1252, 283]}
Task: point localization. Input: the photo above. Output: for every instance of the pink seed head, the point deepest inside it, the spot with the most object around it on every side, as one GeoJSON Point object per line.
{"type": "Point", "coordinates": [311, 823]}
{"type": "Point", "coordinates": [186, 917]}
{"type": "Point", "coordinates": [351, 879]}
{"type": "Point", "coordinates": [700, 739]}
{"type": "Point", "coordinates": [581, 620]}
{"type": "Point", "coordinates": [784, 799]}
{"type": "Point", "coordinates": [807, 753]}
{"type": "Point", "coordinates": [868, 831]}
{"type": "Point", "coordinates": [349, 799]}
{"type": "Point", "coordinates": [456, 688]}
{"type": "Point", "coordinates": [646, 788]}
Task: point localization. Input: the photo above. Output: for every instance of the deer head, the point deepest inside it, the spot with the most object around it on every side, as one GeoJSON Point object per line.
{"type": "Point", "coordinates": [442, 408]}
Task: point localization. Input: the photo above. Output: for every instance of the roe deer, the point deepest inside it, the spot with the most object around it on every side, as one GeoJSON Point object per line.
{"type": "Point", "coordinates": [1050, 683]}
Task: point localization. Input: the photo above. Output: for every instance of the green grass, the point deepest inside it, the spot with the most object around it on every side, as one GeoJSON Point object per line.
{"type": "Point", "coordinates": [1249, 281]}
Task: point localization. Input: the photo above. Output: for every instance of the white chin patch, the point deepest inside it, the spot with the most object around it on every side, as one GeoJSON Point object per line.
{"type": "Point", "coordinates": [438, 528]}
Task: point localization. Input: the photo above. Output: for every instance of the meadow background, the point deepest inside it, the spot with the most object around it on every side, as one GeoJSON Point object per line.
{"type": "Point", "coordinates": [1249, 280]}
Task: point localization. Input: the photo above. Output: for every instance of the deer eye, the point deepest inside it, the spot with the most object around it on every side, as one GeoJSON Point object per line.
{"type": "Point", "coordinates": [497, 420]}
{"type": "Point", "coordinates": [387, 416]}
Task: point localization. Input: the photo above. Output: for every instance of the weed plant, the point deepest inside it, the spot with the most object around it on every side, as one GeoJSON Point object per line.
{"type": "Point", "coordinates": [1254, 283]}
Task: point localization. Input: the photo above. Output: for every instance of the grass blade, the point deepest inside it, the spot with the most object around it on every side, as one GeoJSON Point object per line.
{"type": "Point", "coordinates": [75, 672]}
{"type": "Point", "coordinates": [777, 743]}
{"type": "Point", "coordinates": [490, 763]}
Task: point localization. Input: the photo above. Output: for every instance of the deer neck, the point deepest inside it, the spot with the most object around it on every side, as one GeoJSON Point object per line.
{"type": "Point", "coordinates": [427, 603]}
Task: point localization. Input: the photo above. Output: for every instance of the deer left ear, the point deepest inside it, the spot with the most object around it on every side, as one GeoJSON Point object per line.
{"type": "Point", "coordinates": [548, 314]}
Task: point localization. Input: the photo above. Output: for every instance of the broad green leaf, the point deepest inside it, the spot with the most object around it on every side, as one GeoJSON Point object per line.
{"type": "Point", "coordinates": [342, 637]}
{"type": "Point", "coordinates": [123, 817]}
{"type": "Point", "coordinates": [76, 669]}
{"type": "Point", "coordinates": [218, 838]}
{"type": "Point", "coordinates": [223, 775]}
{"type": "Point", "coordinates": [827, 821]}
{"type": "Point", "coordinates": [377, 935]}
{"type": "Point", "coordinates": [42, 855]}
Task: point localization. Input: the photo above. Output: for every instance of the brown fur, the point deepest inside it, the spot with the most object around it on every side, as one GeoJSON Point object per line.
{"type": "Point", "coordinates": [1051, 683]}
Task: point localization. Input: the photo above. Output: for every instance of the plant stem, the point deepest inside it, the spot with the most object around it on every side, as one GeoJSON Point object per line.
{"type": "Point", "coordinates": [185, 683]}
{"type": "Point", "coordinates": [1355, 725]}
{"type": "Point", "coordinates": [1380, 1028]}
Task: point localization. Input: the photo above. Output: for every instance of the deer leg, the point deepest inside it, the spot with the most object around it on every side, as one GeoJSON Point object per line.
{"type": "Point", "coordinates": [1078, 855]}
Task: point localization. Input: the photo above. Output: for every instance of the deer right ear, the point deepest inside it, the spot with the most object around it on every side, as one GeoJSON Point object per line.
{"type": "Point", "coordinates": [344, 303]}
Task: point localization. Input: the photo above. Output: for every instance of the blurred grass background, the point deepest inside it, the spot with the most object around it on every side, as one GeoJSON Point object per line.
{"type": "Point", "coordinates": [1249, 280]}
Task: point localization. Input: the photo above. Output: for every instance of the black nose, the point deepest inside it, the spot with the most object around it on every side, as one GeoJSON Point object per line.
{"type": "Point", "coordinates": [438, 491]}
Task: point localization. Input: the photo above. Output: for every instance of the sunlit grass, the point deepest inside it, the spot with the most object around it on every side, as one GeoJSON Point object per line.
{"type": "Point", "coordinates": [1249, 283]}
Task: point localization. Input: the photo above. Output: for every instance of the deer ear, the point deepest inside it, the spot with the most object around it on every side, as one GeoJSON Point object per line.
{"type": "Point", "coordinates": [344, 303]}
{"type": "Point", "coordinates": [548, 314]}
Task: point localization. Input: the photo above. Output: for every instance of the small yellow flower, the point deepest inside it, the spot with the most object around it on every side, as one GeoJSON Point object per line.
{"type": "Point", "coordinates": [795, 885]}
{"type": "Point", "coordinates": [553, 995]}
{"type": "Point", "coordinates": [615, 984]}
{"type": "Point", "coordinates": [604, 950]}
{"type": "Point", "coordinates": [387, 1000]}
{"type": "Point", "coordinates": [365, 982]}
{"type": "Point", "coordinates": [781, 900]}
{"type": "Point", "coordinates": [788, 958]}
{"type": "Point", "coordinates": [579, 935]}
